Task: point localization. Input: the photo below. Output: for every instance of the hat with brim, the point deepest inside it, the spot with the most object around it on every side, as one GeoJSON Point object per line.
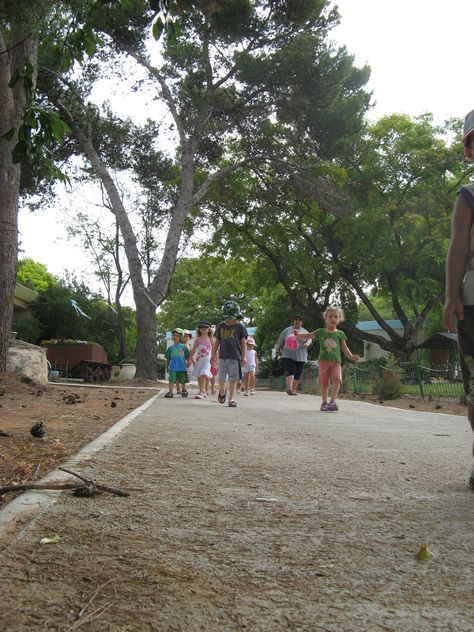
{"type": "Point", "coordinates": [178, 331]}
{"type": "Point", "coordinates": [468, 126]}
{"type": "Point", "coordinates": [251, 341]}
{"type": "Point", "coordinates": [204, 323]}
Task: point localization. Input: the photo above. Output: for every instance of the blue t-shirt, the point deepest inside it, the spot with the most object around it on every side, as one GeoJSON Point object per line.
{"type": "Point", "coordinates": [176, 356]}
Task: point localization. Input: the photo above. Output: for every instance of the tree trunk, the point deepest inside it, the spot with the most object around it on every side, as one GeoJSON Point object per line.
{"type": "Point", "coordinates": [12, 108]}
{"type": "Point", "coordinates": [146, 351]}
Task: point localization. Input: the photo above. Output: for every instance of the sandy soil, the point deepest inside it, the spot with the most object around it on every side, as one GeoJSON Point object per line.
{"type": "Point", "coordinates": [72, 417]}
{"type": "Point", "coordinates": [268, 517]}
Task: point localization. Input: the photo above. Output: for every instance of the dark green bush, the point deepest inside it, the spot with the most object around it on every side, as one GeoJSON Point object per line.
{"type": "Point", "coordinates": [388, 385]}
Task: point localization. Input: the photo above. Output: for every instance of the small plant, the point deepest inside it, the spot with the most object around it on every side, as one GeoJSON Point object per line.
{"type": "Point", "coordinates": [388, 384]}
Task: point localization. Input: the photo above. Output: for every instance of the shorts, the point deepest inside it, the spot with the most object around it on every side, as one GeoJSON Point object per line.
{"type": "Point", "coordinates": [178, 376]}
{"type": "Point", "coordinates": [291, 367]}
{"type": "Point", "coordinates": [248, 368]}
{"type": "Point", "coordinates": [328, 370]}
{"type": "Point", "coordinates": [228, 370]}
{"type": "Point", "coordinates": [466, 353]}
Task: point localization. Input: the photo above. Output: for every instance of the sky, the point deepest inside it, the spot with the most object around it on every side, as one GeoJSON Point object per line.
{"type": "Point", "coordinates": [420, 56]}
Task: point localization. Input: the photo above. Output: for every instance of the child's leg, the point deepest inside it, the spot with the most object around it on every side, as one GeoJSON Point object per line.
{"type": "Point", "coordinates": [247, 381]}
{"type": "Point", "coordinates": [170, 386]}
{"type": "Point", "coordinates": [335, 387]}
{"type": "Point", "coordinates": [202, 384]}
{"type": "Point", "coordinates": [251, 380]}
{"type": "Point", "coordinates": [178, 387]}
{"type": "Point", "coordinates": [324, 393]}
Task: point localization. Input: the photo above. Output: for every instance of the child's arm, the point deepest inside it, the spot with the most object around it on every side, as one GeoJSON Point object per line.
{"type": "Point", "coordinates": [215, 349]}
{"type": "Point", "coordinates": [308, 336]}
{"type": "Point", "coordinates": [456, 262]}
{"type": "Point", "coordinates": [243, 351]}
{"type": "Point", "coordinates": [348, 353]}
{"type": "Point", "coordinates": [193, 351]}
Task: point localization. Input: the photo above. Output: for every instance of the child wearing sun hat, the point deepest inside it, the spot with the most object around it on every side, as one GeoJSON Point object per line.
{"type": "Point", "coordinates": [250, 368]}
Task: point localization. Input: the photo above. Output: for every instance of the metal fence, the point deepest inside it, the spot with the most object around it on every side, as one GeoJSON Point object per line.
{"type": "Point", "coordinates": [433, 381]}
{"type": "Point", "coordinates": [418, 381]}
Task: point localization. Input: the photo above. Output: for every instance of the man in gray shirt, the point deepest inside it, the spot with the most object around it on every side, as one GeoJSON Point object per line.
{"type": "Point", "coordinates": [293, 360]}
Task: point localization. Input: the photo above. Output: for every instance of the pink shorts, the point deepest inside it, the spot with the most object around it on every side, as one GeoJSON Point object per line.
{"type": "Point", "coordinates": [328, 370]}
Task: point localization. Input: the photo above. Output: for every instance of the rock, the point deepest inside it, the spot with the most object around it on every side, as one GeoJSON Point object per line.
{"type": "Point", "coordinates": [37, 430]}
{"type": "Point", "coordinates": [28, 361]}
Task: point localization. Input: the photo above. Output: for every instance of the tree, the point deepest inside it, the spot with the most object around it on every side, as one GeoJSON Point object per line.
{"type": "Point", "coordinates": [374, 224]}
{"type": "Point", "coordinates": [223, 78]}
{"type": "Point", "coordinates": [18, 52]}
{"type": "Point", "coordinates": [28, 130]}
{"type": "Point", "coordinates": [106, 252]}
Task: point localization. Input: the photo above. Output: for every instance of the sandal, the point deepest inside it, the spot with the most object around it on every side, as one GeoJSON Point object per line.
{"type": "Point", "coordinates": [232, 404]}
{"type": "Point", "coordinates": [221, 397]}
{"type": "Point", "coordinates": [184, 393]}
{"type": "Point", "coordinates": [199, 396]}
{"type": "Point", "coordinates": [168, 395]}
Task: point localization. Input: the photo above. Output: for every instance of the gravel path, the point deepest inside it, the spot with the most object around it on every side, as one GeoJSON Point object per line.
{"type": "Point", "coordinates": [270, 516]}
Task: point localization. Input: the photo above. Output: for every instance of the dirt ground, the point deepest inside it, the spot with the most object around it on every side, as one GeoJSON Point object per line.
{"type": "Point", "coordinates": [270, 517]}
{"type": "Point", "coordinates": [73, 416]}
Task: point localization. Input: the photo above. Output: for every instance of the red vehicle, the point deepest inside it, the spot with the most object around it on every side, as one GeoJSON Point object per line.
{"type": "Point", "coordinates": [88, 361]}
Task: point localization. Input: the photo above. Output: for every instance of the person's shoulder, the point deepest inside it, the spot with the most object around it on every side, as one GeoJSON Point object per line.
{"type": "Point", "coordinates": [466, 194]}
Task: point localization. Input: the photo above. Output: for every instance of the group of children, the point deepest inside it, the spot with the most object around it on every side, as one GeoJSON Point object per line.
{"type": "Point", "coordinates": [231, 356]}
{"type": "Point", "coordinates": [187, 361]}
{"type": "Point", "coordinates": [237, 350]}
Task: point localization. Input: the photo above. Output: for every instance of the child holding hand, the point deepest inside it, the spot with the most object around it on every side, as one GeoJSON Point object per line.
{"type": "Point", "coordinates": [177, 362]}
{"type": "Point", "coordinates": [331, 342]}
{"type": "Point", "coordinates": [201, 357]}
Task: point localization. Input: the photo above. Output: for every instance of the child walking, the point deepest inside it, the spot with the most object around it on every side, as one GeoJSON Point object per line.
{"type": "Point", "coordinates": [459, 303]}
{"type": "Point", "coordinates": [201, 356]}
{"type": "Point", "coordinates": [229, 348]}
{"type": "Point", "coordinates": [251, 367]}
{"type": "Point", "coordinates": [177, 361]}
{"type": "Point", "coordinates": [331, 342]}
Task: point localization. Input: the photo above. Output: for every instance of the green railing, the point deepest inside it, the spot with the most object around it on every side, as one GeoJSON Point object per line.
{"type": "Point", "coordinates": [431, 382]}
{"type": "Point", "coordinates": [434, 381]}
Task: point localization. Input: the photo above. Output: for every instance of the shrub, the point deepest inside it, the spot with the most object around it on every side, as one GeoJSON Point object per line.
{"type": "Point", "coordinates": [388, 385]}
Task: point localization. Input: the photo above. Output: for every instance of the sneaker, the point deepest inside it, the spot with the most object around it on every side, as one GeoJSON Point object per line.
{"type": "Point", "coordinates": [246, 393]}
{"type": "Point", "coordinates": [252, 391]}
{"type": "Point", "coordinates": [324, 407]}
{"type": "Point", "coordinates": [168, 395]}
{"type": "Point", "coordinates": [333, 407]}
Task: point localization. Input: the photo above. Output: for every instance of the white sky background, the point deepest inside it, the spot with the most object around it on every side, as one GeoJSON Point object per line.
{"type": "Point", "coordinates": [420, 54]}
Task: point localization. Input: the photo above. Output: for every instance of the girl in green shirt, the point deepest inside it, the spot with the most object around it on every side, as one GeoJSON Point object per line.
{"type": "Point", "coordinates": [331, 342]}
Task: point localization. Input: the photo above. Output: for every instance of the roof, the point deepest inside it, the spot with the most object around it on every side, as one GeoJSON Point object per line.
{"type": "Point", "coordinates": [440, 340]}
{"type": "Point", "coordinates": [372, 325]}
{"type": "Point", "coordinates": [23, 296]}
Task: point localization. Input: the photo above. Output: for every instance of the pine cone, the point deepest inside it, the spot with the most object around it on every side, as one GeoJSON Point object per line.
{"type": "Point", "coordinates": [37, 430]}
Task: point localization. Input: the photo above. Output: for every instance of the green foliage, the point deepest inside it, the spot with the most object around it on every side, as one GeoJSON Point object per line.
{"type": "Point", "coordinates": [53, 317]}
{"type": "Point", "coordinates": [27, 326]}
{"type": "Point", "coordinates": [388, 383]}
{"type": "Point", "coordinates": [34, 275]}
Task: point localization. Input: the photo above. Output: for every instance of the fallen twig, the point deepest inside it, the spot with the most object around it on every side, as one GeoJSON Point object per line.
{"type": "Point", "coordinates": [87, 488]}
